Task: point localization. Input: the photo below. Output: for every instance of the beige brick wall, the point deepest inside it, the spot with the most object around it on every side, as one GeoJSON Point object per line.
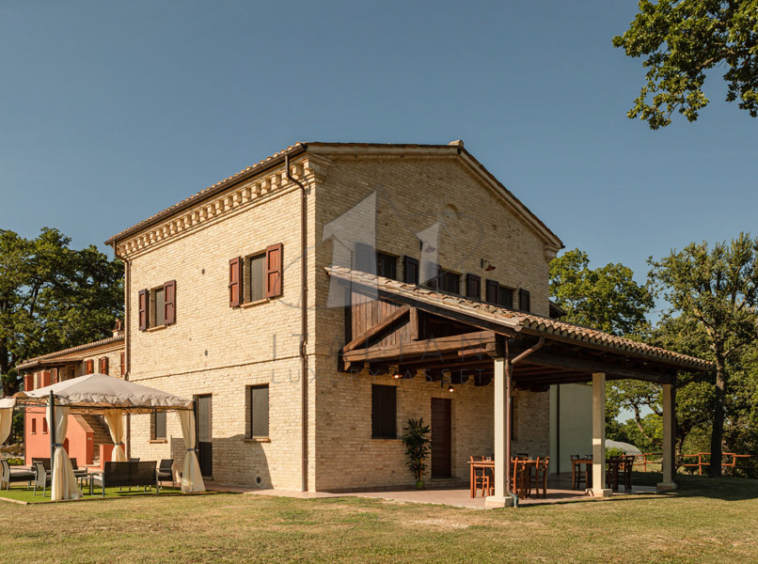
{"type": "Point", "coordinates": [412, 194]}
{"type": "Point", "coordinates": [215, 349]}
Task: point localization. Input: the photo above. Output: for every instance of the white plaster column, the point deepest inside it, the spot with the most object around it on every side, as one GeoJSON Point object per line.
{"type": "Point", "coordinates": [598, 436]}
{"type": "Point", "coordinates": [669, 434]}
{"type": "Point", "coordinates": [502, 430]}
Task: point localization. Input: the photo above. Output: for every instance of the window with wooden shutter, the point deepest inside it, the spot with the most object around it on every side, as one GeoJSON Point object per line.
{"type": "Point", "coordinates": [144, 300]}
{"type": "Point", "coordinates": [410, 268]}
{"type": "Point", "coordinates": [499, 295]}
{"type": "Point", "coordinates": [450, 282]}
{"type": "Point", "coordinates": [123, 364]}
{"type": "Point", "coordinates": [383, 412]}
{"type": "Point", "coordinates": [525, 300]}
{"type": "Point", "coordinates": [274, 267]}
{"type": "Point", "coordinates": [432, 274]}
{"type": "Point", "coordinates": [169, 302]}
{"type": "Point", "coordinates": [90, 367]}
{"type": "Point", "coordinates": [103, 368]}
{"type": "Point", "coordinates": [473, 287]}
{"type": "Point", "coordinates": [235, 282]}
{"type": "Point", "coordinates": [386, 265]}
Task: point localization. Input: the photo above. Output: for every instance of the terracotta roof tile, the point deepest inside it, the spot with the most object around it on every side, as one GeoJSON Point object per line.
{"type": "Point", "coordinates": [529, 322]}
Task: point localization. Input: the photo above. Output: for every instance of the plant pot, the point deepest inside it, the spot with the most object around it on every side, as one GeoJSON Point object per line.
{"type": "Point", "coordinates": [420, 485]}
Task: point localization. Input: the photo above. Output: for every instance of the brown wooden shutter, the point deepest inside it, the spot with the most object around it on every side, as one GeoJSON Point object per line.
{"type": "Point", "coordinates": [169, 305]}
{"type": "Point", "coordinates": [473, 287]}
{"type": "Point", "coordinates": [235, 282]}
{"type": "Point", "coordinates": [90, 367]}
{"type": "Point", "coordinates": [274, 262]}
{"type": "Point", "coordinates": [525, 300]}
{"type": "Point", "coordinates": [104, 365]}
{"type": "Point", "coordinates": [492, 290]}
{"type": "Point", "coordinates": [144, 301]}
{"type": "Point", "coordinates": [410, 268]}
{"type": "Point", "coordinates": [123, 364]}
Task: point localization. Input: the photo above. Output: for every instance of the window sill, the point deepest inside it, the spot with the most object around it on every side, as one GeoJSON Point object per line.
{"type": "Point", "coordinates": [385, 439]}
{"type": "Point", "coordinates": [157, 328]}
{"type": "Point", "coordinates": [158, 441]}
{"type": "Point", "coordinates": [255, 303]}
{"type": "Point", "coordinates": [257, 440]}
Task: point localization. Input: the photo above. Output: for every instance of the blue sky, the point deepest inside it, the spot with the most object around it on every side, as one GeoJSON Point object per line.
{"type": "Point", "coordinates": [113, 111]}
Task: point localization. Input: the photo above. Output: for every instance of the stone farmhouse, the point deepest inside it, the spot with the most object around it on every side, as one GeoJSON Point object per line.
{"type": "Point", "coordinates": [314, 302]}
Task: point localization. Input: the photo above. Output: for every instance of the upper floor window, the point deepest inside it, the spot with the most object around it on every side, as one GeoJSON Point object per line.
{"type": "Point", "coordinates": [103, 365]}
{"type": "Point", "coordinates": [450, 282]}
{"type": "Point", "coordinates": [90, 366]}
{"type": "Point", "coordinates": [157, 307]}
{"type": "Point", "coordinates": [499, 295]}
{"type": "Point", "coordinates": [256, 277]}
{"type": "Point", "coordinates": [386, 265]}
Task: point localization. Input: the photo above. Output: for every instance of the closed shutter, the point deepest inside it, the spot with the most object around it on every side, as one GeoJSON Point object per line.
{"type": "Point", "coordinates": [274, 262]}
{"type": "Point", "coordinates": [123, 364]}
{"type": "Point", "coordinates": [235, 282]}
{"type": "Point", "coordinates": [365, 258]}
{"type": "Point", "coordinates": [525, 300]}
{"type": "Point", "coordinates": [492, 291]}
{"type": "Point", "coordinates": [103, 365]}
{"type": "Point", "coordinates": [144, 300]}
{"type": "Point", "coordinates": [90, 367]}
{"type": "Point", "coordinates": [169, 305]}
{"type": "Point", "coordinates": [473, 287]}
{"type": "Point", "coordinates": [410, 268]}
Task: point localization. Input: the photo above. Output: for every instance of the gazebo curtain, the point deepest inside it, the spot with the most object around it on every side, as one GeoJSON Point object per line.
{"type": "Point", "coordinates": [6, 419]}
{"type": "Point", "coordinates": [115, 420]}
{"type": "Point", "coordinates": [192, 479]}
{"type": "Point", "coordinates": [64, 484]}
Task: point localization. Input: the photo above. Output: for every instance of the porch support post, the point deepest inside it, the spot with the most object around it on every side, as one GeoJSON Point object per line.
{"type": "Point", "coordinates": [502, 497]}
{"type": "Point", "coordinates": [669, 434]}
{"type": "Point", "coordinates": [598, 436]}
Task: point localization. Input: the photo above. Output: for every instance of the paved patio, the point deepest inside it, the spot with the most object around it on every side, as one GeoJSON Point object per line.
{"type": "Point", "coordinates": [457, 495]}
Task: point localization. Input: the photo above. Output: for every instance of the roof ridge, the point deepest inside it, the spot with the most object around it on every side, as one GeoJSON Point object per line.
{"type": "Point", "coordinates": [84, 346]}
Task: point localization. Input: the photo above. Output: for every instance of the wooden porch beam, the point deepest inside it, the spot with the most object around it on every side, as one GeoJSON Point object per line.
{"type": "Point", "coordinates": [588, 366]}
{"type": "Point", "coordinates": [430, 349]}
{"type": "Point", "coordinates": [376, 329]}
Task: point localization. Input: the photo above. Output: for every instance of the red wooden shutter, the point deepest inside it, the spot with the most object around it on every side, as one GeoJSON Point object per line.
{"type": "Point", "coordinates": [169, 307]}
{"type": "Point", "coordinates": [525, 300]}
{"type": "Point", "coordinates": [492, 290]}
{"type": "Point", "coordinates": [274, 270]}
{"type": "Point", "coordinates": [28, 382]}
{"type": "Point", "coordinates": [144, 300]}
{"type": "Point", "coordinates": [123, 364]}
{"type": "Point", "coordinates": [235, 282]}
{"type": "Point", "coordinates": [90, 367]}
{"type": "Point", "coordinates": [104, 365]}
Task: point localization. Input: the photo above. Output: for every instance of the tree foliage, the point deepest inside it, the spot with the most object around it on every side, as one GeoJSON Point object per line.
{"type": "Point", "coordinates": [52, 297]}
{"type": "Point", "coordinates": [681, 41]}
{"type": "Point", "coordinates": [715, 291]}
{"type": "Point", "coordinates": [605, 298]}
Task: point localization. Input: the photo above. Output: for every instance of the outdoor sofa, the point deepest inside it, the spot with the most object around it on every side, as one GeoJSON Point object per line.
{"type": "Point", "coordinates": [126, 474]}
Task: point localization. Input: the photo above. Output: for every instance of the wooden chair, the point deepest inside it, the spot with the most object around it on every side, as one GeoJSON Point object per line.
{"type": "Point", "coordinates": [627, 467]}
{"type": "Point", "coordinates": [612, 472]}
{"type": "Point", "coordinates": [538, 478]}
{"type": "Point", "coordinates": [578, 475]}
{"type": "Point", "coordinates": [520, 478]}
{"type": "Point", "coordinates": [482, 478]}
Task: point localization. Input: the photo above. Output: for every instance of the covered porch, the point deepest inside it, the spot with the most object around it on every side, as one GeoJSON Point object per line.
{"type": "Point", "coordinates": [407, 332]}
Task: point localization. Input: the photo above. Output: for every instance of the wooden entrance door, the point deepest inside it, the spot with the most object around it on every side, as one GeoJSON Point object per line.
{"type": "Point", "coordinates": [204, 434]}
{"type": "Point", "coordinates": [441, 438]}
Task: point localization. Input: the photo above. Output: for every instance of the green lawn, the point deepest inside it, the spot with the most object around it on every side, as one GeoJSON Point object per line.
{"type": "Point", "coordinates": [705, 521]}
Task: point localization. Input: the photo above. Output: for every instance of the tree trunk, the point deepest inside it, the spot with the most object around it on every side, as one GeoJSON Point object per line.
{"type": "Point", "coordinates": [717, 434]}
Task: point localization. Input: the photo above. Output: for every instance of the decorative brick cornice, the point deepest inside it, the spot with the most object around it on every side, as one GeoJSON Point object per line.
{"type": "Point", "coordinates": [247, 193]}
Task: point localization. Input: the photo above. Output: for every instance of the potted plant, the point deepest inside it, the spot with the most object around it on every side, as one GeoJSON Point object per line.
{"type": "Point", "coordinates": [417, 441]}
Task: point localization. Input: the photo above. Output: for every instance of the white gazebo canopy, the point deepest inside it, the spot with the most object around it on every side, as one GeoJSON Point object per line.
{"type": "Point", "coordinates": [95, 392]}
{"type": "Point", "coordinates": [113, 397]}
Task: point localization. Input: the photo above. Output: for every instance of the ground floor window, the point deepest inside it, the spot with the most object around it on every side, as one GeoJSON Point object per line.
{"type": "Point", "coordinates": [159, 425]}
{"type": "Point", "coordinates": [383, 412]}
{"type": "Point", "coordinates": [258, 411]}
